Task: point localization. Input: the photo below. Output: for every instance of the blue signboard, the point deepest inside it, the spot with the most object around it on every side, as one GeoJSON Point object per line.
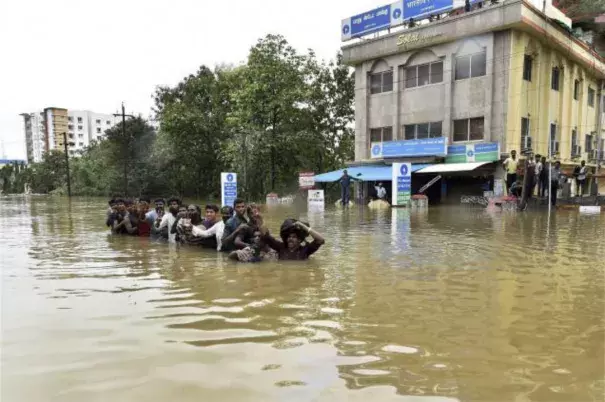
{"type": "Point", "coordinates": [410, 148]}
{"type": "Point", "coordinates": [473, 152]}
{"type": "Point", "coordinates": [418, 9]}
{"type": "Point", "coordinates": [228, 188]}
{"type": "Point", "coordinates": [402, 183]}
{"type": "Point", "coordinates": [372, 21]}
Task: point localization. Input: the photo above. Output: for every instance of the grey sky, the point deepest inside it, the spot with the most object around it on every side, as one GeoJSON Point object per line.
{"type": "Point", "coordinates": [90, 54]}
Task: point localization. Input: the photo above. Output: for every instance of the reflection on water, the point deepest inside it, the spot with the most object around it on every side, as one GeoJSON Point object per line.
{"type": "Point", "coordinates": [444, 305]}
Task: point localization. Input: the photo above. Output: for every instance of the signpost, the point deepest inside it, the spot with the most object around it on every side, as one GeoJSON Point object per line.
{"type": "Point", "coordinates": [402, 184]}
{"type": "Point", "coordinates": [409, 148]}
{"type": "Point", "coordinates": [228, 188]}
{"type": "Point", "coordinates": [316, 200]}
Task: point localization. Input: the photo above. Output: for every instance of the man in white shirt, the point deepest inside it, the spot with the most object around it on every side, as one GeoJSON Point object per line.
{"type": "Point", "coordinates": [169, 219]}
{"type": "Point", "coordinates": [217, 229]}
{"type": "Point", "coordinates": [381, 192]}
{"type": "Point", "coordinates": [538, 171]}
{"type": "Point", "coordinates": [510, 164]}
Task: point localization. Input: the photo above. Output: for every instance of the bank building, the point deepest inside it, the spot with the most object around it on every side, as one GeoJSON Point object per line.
{"type": "Point", "coordinates": [453, 88]}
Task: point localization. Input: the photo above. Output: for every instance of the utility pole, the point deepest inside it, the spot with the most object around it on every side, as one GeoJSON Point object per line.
{"type": "Point", "coordinates": [126, 146]}
{"type": "Point", "coordinates": [67, 164]}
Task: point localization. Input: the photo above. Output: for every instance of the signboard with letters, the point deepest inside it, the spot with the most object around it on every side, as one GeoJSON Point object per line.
{"type": "Point", "coordinates": [476, 152]}
{"type": "Point", "coordinates": [409, 148]}
{"type": "Point", "coordinates": [393, 15]}
{"type": "Point", "coordinates": [228, 188]}
{"type": "Point", "coordinates": [315, 200]}
{"type": "Point", "coordinates": [306, 180]}
{"type": "Point", "coordinates": [402, 184]}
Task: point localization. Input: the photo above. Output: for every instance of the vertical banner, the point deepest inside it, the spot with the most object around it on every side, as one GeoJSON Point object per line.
{"type": "Point", "coordinates": [228, 188]}
{"type": "Point", "coordinates": [402, 184]}
{"type": "Point", "coordinates": [315, 200]}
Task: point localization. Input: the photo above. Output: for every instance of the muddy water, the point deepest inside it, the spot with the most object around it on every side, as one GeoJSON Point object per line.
{"type": "Point", "coordinates": [455, 304]}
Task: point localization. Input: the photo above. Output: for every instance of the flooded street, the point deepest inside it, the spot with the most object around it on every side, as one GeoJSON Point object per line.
{"type": "Point", "coordinates": [453, 304]}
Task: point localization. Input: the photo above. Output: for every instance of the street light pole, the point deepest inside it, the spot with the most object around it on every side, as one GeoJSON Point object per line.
{"type": "Point", "coordinates": [127, 145]}
{"type": "Point", "coordinates": [67, 164]}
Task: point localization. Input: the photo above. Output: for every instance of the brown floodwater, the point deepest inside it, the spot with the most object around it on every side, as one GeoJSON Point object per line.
{"type": "Point", "coordinates": [453, 304]}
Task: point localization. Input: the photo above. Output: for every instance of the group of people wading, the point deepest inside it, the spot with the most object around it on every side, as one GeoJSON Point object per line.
{"type": "Point", "coordinates": [238, 230]}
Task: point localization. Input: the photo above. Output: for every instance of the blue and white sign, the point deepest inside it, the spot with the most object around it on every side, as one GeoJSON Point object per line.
{"type": "Point", "coordinates": [372, 21]}
{"type": "Point", "coordinates": [419, 9]}
{"type": "Point", "coordinates": [402, 183]}
{"type": "Point", "coordinates": [409, 148]}
{"type": "Point", "coordinates": [228, 188]}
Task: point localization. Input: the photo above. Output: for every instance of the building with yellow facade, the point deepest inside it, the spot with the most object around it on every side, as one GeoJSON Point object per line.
{"type": "Point", "coordinates": [500, 77]}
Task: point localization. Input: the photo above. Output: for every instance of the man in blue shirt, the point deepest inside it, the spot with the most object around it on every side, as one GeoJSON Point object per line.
{"type": "Point", "coordinates": [345, 184]}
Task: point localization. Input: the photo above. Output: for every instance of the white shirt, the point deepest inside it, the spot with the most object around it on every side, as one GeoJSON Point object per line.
{"type": "Point", "coordinates": [168, 220]}
{"type": "Point", "coordinates": [216, 230]}
{"type": "Point", "coordinates": [381, 192]}
{"type": "Point", "coordinates": [539, 168]}
{"type": "Point", "coordinates": [582, 174]}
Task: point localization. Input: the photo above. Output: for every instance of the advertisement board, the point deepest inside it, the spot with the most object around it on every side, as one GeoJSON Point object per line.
{"type": "Point", "coordinates": [409, 148]}
{"type": "Point", "coordinates": [228, 188]}
{"type": "Point", "coordinates": [372, 21]}
{"type": "Point", "coordinates": [306, 180]}
{"type": "Point", "coordinates": [402, 184]}
{"type": "Point", "coordinates": [477, 152]}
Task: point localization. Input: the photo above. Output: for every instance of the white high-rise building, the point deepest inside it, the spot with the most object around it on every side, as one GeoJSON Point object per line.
{"type": "Point", "coordinates": [44, 130]}
{"type": "Point", "coordinates": [35, 143]}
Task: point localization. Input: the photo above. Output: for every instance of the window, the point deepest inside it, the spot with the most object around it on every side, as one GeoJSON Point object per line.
{"type": "Point", "coordinates": [576, 89]}
{"type": "Point", "coordinates": [98, 121]}
{"type": "Point", "coordinates": [554, 79]}
{"type": "Point", "coordinates": [422, 130]}
{"type": "Point", "coordinates": [98, 129]}
{"type": "Point", "coordinates": [527, 67]}
{"type": "Point", "coordinates": [79, 127]}
{"type": "Point", "coordinates": [71, 136]}
{"type": "Point", "coordinates": [70, 118]}
{"type": "Point", "coordinates": [470, 66]}
{"type": "Point", "coordinates": [80, 144]}
{"type": "Point", "coordinates": [524, 133]}
{"type": "Point", "coordinates": [70, 126]}
{"type": "Point", "coordinates": [80, 135]}
{"type": "Point", "coordinates": [588, 143]}
{"type": "Point", "coordinates": [79, 120]}
{"type": "Point", "coordinates": [553, 145]}
{"type": "Point", "coordinates": [468, 129]}
{"type": "Point", "coordinates": [590, 97]}
{"type": "Point", "coordinates": [574, 143]}
{"type": "Point", "coordinates": [108, 122]}
{"type": "Point", "coordinates": [424, 74]}
{"type": "Point", "coordinates": [381, 82]}
{"type": "Point", "coordinates": [381, 134]}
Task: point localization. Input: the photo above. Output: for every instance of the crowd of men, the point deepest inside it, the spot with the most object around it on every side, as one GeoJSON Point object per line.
{"type": "Point", "coordinates": [539, 175]}
{"type": "Point", "coordinates": [238, 230]}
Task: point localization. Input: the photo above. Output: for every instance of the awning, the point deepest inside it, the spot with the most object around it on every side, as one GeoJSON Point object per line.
{"type": "Point", "coordinates": [452, 167]}
{"type": "Point", "coordinates": [364, 173]}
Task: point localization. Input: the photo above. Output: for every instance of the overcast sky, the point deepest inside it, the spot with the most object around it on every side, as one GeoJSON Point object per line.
{"type": "Point", "coordinates": [92, 55]}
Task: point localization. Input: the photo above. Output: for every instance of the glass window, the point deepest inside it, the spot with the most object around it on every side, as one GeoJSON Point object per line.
{"type": "Point", "coordinates": [79, 127]}
{"type": "Point", "coordinates": [108, 122]}
{"type": "Point", "coordinates": [436, 72]}
{"type": "Point", "coordinates": [554, 80]}
{"type": "Point", "coordinates": [423, 75]}
{"type": "Point", "coordinates": [410, 132]}
{"type": "Point", "coordinates": [98, 129]}
{"type": "Point", "coordinates": [588, 143]}
{"type": "Point", "coordinates": [79, 120]}
{"type": "Point", "coordinates": [435, 129]}
{"type": "Point", "coordinates": [476, 125]}
{"type": "Point", "coordinates": [387, 81]}
{"type": "Point", "coordinates": [527, 67]}
{"type": "Point", "coordinates": [524, 132]}
{"type": "Point", "coordinates": [422, 130]}
{"type": "Point", "coordinates": [463, 67]}
{"type": "Point", "coordinates": [375, 135]}
{"type": "Point", "coordinates": [461, 130]}
{"type": "Point", "coordinates": [478, 64]}
{"type": "Point", "coordinates": [553, 138]}
{"type": "Point", "coordinates": [574, 143]}
{"type": "Point", "coordinates": [98, 121]}
{"type": "Point", "coordinates": [68, 119]}
{"type": "Point", "coordinates": [410, 77]}
{"type": "Point", "coordinates": [590, 97]}
{"type": "Point", "coordinates": [387, 134]}
{"type": "Point", "coordinates": [576, 89]}
{"type": "Point", "coordinates": [375, 83]}
{"type": "Point", "coordinates": [70, 126]}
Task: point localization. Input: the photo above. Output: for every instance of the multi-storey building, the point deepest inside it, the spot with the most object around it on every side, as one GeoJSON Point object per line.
{"type": "Point", "coordinates": [501, 77]}
{"type": "Point", "coordinates": [44, 130]}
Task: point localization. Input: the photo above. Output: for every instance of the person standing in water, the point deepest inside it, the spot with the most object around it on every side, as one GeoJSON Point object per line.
{"type": "Point", "coordinates": [293, 245]}
{"type": "Point", "coordinates": [345, 185]}
{"type": "Point", "coordinates": [510, 164]}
